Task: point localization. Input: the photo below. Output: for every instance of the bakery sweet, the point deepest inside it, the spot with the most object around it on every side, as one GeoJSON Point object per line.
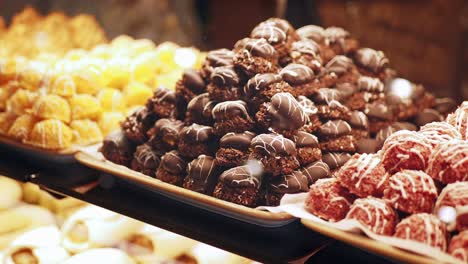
{"type": "Point", "coordinates": [453, 196]}
{"type": "Point", "coordinates": [145, 160]}
{"type": "Point", "coordinates": [374, 214]}
{"type": "Point", "coordinates": [328, 200]}
{"type": "Point", "coordinates": [164, 135]}
{"type": "Point", "coordinates": [335, 136]}
{"type": "Point", "coordinates": [277, 153]}
{"type": "Point", "coordinates": [225, 84]}
{"type": "Point", "coordinates": [202, 175]}
{"type": "Point", "coordinates": [52, 107]}
{"type": "Point", "coordinates": [368, 90]}
{"type": "Point", "coordinates": [313, 120]}
{"type": "Point", "coordinates": [405, 150]}
{"type": "Point", "coordinates": [301, 78]}
{"type": "Point", "coordinates": [199, 110]}
{"type": "Point", "coordinates": [84, 106]}
{"type": "Point", "coordinates": [195, 140]}
{"type": "Point", "coordinates": [342, 69]}
{"type": "Point", "coordinates": [117, 148]}
{"type": "Point", "coordinates": [335, 160]}
{"type": "Point", "coordinates": [458, 246]}
{"type": "Point", "coordinates": [21, 101]}
{"type": "Point", "coordinates": [305, 52]}
{"type": "Point", "coordinates": [315, 171]}
{"type": "Point", "coordinates": [22, 126]}
{"type": "Point", "coordinates": [256, 56]}
{"type": "Point", "coordinates": [234, 149]}
{"type": "Point", "coordinates": [363, 175]}
{"type": "Point", "coordinates": [308, 149]}
{"type": "Point", "coordinates": [359, 124]}
{"type": "Point", "coordinates": [371, 62]}
{"type": "Point", "coordinates": [411, 192]}
{"type": "Point", "coordinates": [439, 132]}
{"type": "Point", "coordinates": [459, 119]}
{"type": "Point", "coordinates": [231, 116]}
{"type": "Point", "coordinates": [427, 116]}
{"type": "Point", "coordinates": [329, 106]}
{"type": "Point", "coordinates": [240, 185]}
{"type": "Point", "coordinates": [385, 132]}
{"type": "Point", "coordinates": [172, 168]}
{"type": "Point", "coordinates": [214, 59]}
{"type": "Point", "coordinates": [111, 100]}
{"type": "Point", "coordinates": [51, 134]}
{"type": "Point", "coordinates": [368, 145]}
{"type": "Point", "coordinates": [190, 85]}
{"type": "Point", "coordinates": [278, 32]}
{"type": "Point", "coordinates": [380, 116]}
{"type": "Point", "coordinates": [424, 228]}
{"type": "Point", "coordinates": [85, 132]}
{"type": "Point", "coordinates": [163, 103]}
{"type": "Point", "coordinates": [317, 34]}
{"type": "Point", "coordinates": [136, 125]}
{"type": "Point", "coordinates": [448, 162]}
{"type": "Point", "coordinates": [296, 182]}
{"type": "Point", "coordinates": [262, 87]}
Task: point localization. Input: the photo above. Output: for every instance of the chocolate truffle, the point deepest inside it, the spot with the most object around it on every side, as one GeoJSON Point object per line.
{"type": "Point", "coordinates": [137, 124]}
{"type": "Point", "coordinates": [145, 160]}
{"type": "Point", "coordinates": [335, 160]}
{"type": "Point", "coordinates": [369, 89]}
{"type": "Point", "coordinates": [277, 153]}
{"type": "Point", "coordinates": [343, 69]}
{"type": "Point", "coordinates": [202, 175]}
{"type": "Point", "coordinates": [225, 84]}
{"type": "Point", "coordinates": [368, 145]}
{"type": "Point", "coordinates": [313, 123]}
{"type": "Point", "coordinates": [405, 150]}
{"type": "Point", "coordinates": [307, 146]}
{"type": "Point", "coordinates": [374, 214]}
{"type": "Point", "coordinates": [296, 182]}
{"type": "Point", "coordinates": [335, 136]}
{"type": "Point", "coordinates": [240, 185]}
{"type": "Point", "coordinates": [262, 87]}
{"type": "Point", "coordinates": [117, 148]}
{"type": "Point", "coordinates": [315, 171]}
{"type": "Point", "coordinates": [363, 175]}
{"type": "Point", "coordinates": [340, 40]}
{"type": "Point", "coordinates": [199, 110]}
{"type": "Point", "coordinates": [256, 56]}
{"type": "Point", "coordinates": [445, 105]}
{"type": "Point", "coordinates": [459, 246]}
{"type": "Point", "coordinates": [163, 103]}
{"type": "Point", "coordinates": [195, 140]}
{"type": "Point", "coordinates": [278, 32]}
{"type": "Point", "coordinates": [329, 106]}
{"type": "Point", "coordinates": [234, 149]}
{"type": "Point", "coordinates": [424, 228]}
{"type": "Point", "coordinates": [214, 59]}
{"type": "Point", "coordinates": [301, 78]}
{"type": "Point", "coordinates": [371, 62]}
{"type": "Point", "coordinates": [231, 116]}
{"type": "Point", "coordinates": [306, 52]}
{"type": "Point", "coordinates": [380, 116]}
{"type": "Point", "coordinates": [359, 124]}
{"type": "Point", "coordinates": [164, 135]}
{"type": "Point", "coordinates": [449, 162]}
{"type": "Point", "coordinates": [172, 168]}
{"type": "Point", "coordinates": [283, 114]}
{"type": "Point", "coordinates": [427, 116]}
{"type": "Point", "coordinates": [328, 200]}
{"type": "Point", "coordinates": [191, 85]}
{"type": "Point", "coordinates": [411, 192]}
{"type": "Point", "coordinates": [317, 34]}
{"type": "Point", "coordinates": [454, 195]}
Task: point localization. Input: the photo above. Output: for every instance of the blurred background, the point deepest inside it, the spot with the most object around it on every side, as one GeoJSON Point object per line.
{"type": "Point", "coordinates": [426, 41]}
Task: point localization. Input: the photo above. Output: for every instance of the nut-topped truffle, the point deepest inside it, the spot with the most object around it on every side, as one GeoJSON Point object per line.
{"type": "Point", "coordinates": [216, 58]}
{"type": "Point", "coordinates": [234, 149]}
{"type": "Point", "coordinates": [225, 84]}
{"type": "Point", "coordinates": [335, 136]}
{"type": "Point", "coordinates": [278, 32]}
{"type": "Point", "coordinates": [301, 78]}
{"type": "Point", "coordinates": [231, 116]}
{"type": "Point", "coordinates": [164, 135]}
{"type": "Point", "coordinates": [145, 160]}
{"type": "Point", "coordinates": [202, 175]}
{"type": "Point", "coordinates": [371, 62]}
{"type": "Point", "coordinates": [172, 168]}
{"type": "Point", "coordinates": [308, 149]}
{"type": "Point", "coordinates": [260, 88]}
{"type": "Point", "coordinates": [191, 85]}
{"type": "Point", "coordinates": [199, 110]}
{"type": "Point", "coordinates": [296, 182]}
{"type": "Point", "coordinates": [163, 103]}
{"type": "Point", "coordinates": [256, 56]}
{"type": "Point", "coordinates": [195, 140]}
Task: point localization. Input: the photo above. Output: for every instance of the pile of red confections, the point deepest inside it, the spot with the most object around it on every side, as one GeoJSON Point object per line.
{"type": "Point", "coordinates": [415, 188]}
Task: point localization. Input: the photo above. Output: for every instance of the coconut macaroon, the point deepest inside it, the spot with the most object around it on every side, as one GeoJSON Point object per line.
{"type": "Point", "coordinates": [152, 242]}
{"type": "Point", "coordinates": [92, 227]}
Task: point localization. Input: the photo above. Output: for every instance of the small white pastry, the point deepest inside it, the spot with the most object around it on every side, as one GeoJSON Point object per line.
{"type": "Point", "coordinates": [10, 191]}
{"type": "Point", "coordinates": [92, 227]}
{"type": "Point", "coordinates": [151, 240]}
{"type": "Point", "coordinates": [46, 236]}
{"type": "Point", "coordinates": [207, 254]}
{"type": "Point", "coordinates": [39, 255]}
{"type": "Point", "coordinates": [100, 256]}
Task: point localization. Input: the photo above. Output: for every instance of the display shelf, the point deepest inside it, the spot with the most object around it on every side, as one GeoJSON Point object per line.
{"type": "Point", "coordinates": [265, 244]}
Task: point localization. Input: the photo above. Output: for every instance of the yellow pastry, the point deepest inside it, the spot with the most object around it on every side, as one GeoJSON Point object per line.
{"type": "Point", "coordinates": [143, 67]}
{"type": "Point", "coordinates": [89, 78]}
{"type": "Point", "coordinates": [117, 70]}
{"type": "Point", "coordinates": [52, 107]}
{"type": "Point", "coordinates": [22, 127]}
{"type": "Point", "coordinates": [85, 132]}
{"type": "Point", "coordinates": [137, 93]}
{"type": "Point", "coordinates": [21, 101]}
{"type": "Point", "coordinates": [51, 134]}
{"type": "Point", "coordinates": [110, 121]}
{"type": "Point", "coordinates": [62, 85]}
{"type": "Point", "coordinates": [85, 106]}
{"type": "Point", "coordinates": [168, 80]}
{"type": "Point", "coordinates": [6, 91]}
{"type": "Point", "coordinates": [31, 77]}
{"type": "Point", "coordinates": [140, 46]}
{"type": "Point", "coordinates": [111, 100]}
{"type": "Point", "coordinates": [6, 121]}
{"type": "Point", "coordinates": [75, 54]}
{"type": "Point", "coordinates": [165, 57]}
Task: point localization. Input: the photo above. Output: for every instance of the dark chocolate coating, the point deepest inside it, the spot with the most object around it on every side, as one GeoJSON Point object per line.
{"type": "Point", "coordinates": [307, 105]}
{"type": "Point", "coordinates": [193, 81]}
{"type": "Point", "coordinates": [316, 170]}
{"type": "Point", "coordinates": [229, 109]}
{"type": "Point", "coordinates": [445, 105]}
{"type": "Point", "coordinates": [359, 120]}
{"type": "Point", "coordinates": [305, 46]}
{"type": "Point", "coordinates": [286, 112]}
{"type": "Point", "coordinates": [225, 76]}
{"type": "Point", "coordinates": [379, 110]}
{"type": "Point", "coordinates": [199, 109]}
{"type": "Point", "coordinates": [202, 174]}
{"type": "Point", "coordinates": [371, 59]}
{"type": "Point", "coordinates": [335, 160]}
{"type": "Point", "coordinates": [335, 128]}
{"type": "Point", "coordinates": [242, 176]}
{"type": "Point", "coordinates": [346, 89]}
{"type": "Point", "coordinates": [385, 132]}
{"type": "Point", "coordinates": [427, 116]}
{"type": "Point", "coordinates": [335, 34]}
{"type": "Point", "coordinates": [312, 32]}
{"type": "Point", "coordinates": [273, 144]}
{"type": "Point", "coordinates": [197, 133]}
{"type": "Point", "coordinates": [173, 162]}
{"type": "Point", "coordinates": [269, 31]}
{"type": "Point", "coordinates": [166, 128]}
{"type": "Point", "coordinates": [304, 139]}
{"type": "Point", "coordinates": [297, 74]}
{"type": "Point", "coordinates": [259, 48]}
{"type": "Point", "coordinates": [260, 82]}
{"type": "Point", "coordinates": [369, 84]}
{"type": "Point", "coordinates": [117, 148]}
{"type": "Point", "coordinates": [237, 140]}
{"type": "Point", "coordinates": [327, 96]}
{"type": "Point", "coordinates": [368, 145]}
{"type": "Point", "coordinates": [295, 182]}
{"type": "Point", "coordinates": [147, 157]}
{"type": "Point", "coordinates": [339, 65]}
{"type": "Point", "coordinates": [164, 95]}
{"type": "Point", "coordinates": [220, 57]}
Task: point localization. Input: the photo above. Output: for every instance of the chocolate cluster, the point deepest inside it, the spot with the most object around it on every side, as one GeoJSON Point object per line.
{"type": "Point", "coordinates": [273, 115]}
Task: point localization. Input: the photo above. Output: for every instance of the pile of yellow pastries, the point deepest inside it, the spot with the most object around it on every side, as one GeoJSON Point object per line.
{"type": "Point", "coordinates": [58, 101]}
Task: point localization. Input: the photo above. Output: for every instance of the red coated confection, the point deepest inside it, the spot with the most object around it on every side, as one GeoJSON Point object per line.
{"type": "Point", "coordinates": [449, 162]}
{"type": "Point", "coordinates": [436, 133]}
{"type": "Point", "coordinates": [411, 192]}
{"type": "Point", "coordinates": [424, 228]}
{"type": "Point", "coordinates": [459, 119]}
{"type": "Point", "coordinates": [327, 199]}
{"type": "Point", "coordinates": [459, 246]}
{"type": "Point", "coordinates": [375, 214]}
{"type": "Point", "coordinates": [454, 195]}
{"type": "Point", "coordinates": [363, 175]}
{"type": "Point", "coordinates": [405, 150]}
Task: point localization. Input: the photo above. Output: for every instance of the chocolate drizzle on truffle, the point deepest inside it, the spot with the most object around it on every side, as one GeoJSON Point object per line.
{"type": "Point", "coordinates": [297, 74]}
{"type": "Point", "coordinates": [286, 112]}
{"type": "Point", "coordinates": [273, 144]}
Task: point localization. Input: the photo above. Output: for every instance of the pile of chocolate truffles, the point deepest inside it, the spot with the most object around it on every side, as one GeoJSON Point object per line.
{"type": "Point", "coordinates": [280, 110]}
